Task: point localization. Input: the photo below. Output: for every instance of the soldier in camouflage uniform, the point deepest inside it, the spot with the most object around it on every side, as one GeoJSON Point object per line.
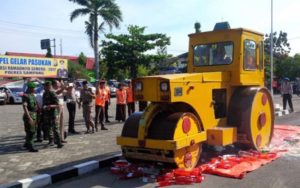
{"type": "Point", "coordinates": [50, 111]}
{"type": "Point", "coordinates": [30, 116]}
{"type": "Point", "coordinates": [86, 99]}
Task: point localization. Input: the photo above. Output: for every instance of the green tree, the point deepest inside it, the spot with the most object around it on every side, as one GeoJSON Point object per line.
{"type": "Point", "coordinates": [281, 46]}
{"type": "Point", "coordinates": [103, 69]}
{"type": "Point", "coordinates": [82, 59]}
{"type": "Point", "coordinates": [129, 51]}
{"type": "Point", "coordinates": [281, 50]}
{"type": "Point", "coordinates": [288, 67]}
{"type": "Point", "coordinates": [77, 71]}
{"type": "Point", "coordinates": [110, 14]}
{"type": "Point", "coordinates": [161, 60]}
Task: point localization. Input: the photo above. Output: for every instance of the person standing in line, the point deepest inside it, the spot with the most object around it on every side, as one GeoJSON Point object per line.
{"type": "Point", "coordinates": [121, 103]}
{"type": "Point", "coordinates": [86, 99]}
{"type": "Point", "coordinates": [287, 93]}
{"type": "Point", "coordinates": [130, 101]}
{"type": "Point", "coordinates": [101, 96]}
{"type": "Point", "coordinates": [30, 108]}
{"type": "Point", "coordinates": [59, 89]}
{"type": "Point", "coordinates": [50, 114]}
{"type": "Point", "coordinates": [107, 103]}
{"type": "Point", "coordinates": [71, 105]}
{"type": "Point", "coordinates": [40, 126]}
{"type": "Point", "coordinates": [40, 132]}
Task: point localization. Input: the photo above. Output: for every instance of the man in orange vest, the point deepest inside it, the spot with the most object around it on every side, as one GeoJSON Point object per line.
{"type": "Point", "coordinates": [130, 102]}
{"type": "Point", "coordinates": [101, 95]}
{"type": "Point", "coordinates": [121, 103]}
{"type": "Point", "coordinates": [107, 103]}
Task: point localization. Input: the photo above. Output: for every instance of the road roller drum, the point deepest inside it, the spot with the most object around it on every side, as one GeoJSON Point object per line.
{"type": "Point", "coordinates": [176, 126]}
{"type": "Point", "coordinates": [252, 112]}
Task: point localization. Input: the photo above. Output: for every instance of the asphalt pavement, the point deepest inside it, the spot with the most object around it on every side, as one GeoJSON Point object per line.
{"type": "Point", "coordinates": [16, 163]}
{"type": "Point", "coordinates": [281, 173]}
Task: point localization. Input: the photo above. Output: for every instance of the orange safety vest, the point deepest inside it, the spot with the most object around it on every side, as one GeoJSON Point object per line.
{"type": "Point", "coordinates": [108, 93]}
{"type": "Point", "coordinates": [129, 95]}
{"type": "Point", "coordinates": [121, 96]}
{"type": "Point", "coordinates": [100, 97]}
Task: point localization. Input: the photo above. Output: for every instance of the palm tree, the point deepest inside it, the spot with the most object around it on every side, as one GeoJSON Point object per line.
{"type": "Point", "coordinates": [110, 14]}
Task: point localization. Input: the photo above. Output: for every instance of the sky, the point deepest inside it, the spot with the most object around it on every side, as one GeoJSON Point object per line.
{"type": "Point", "coordinates": [23, 23]}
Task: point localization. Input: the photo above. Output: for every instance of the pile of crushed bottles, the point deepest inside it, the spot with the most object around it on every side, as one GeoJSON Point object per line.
{"type": "Point", "coordinates": [286, 137]}
{"type": "Point", "coordinates": [180, 177]}
{"type": "Point", "coordinates": [126, 170]}
{"type": "Point", "coordinates": [150, 173]}
{"type": "Point", "coordinates": [230, 165]}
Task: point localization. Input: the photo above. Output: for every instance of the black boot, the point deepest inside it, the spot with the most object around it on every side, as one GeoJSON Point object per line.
{"type": "Point", "coordinates": [59, 143]}
{"type": "Point", "coordinates": [103, 128]}
{"type": "Point", "coordinates": [31, 149]}
{"type": "Point", "coordinates": [65, 134]}
{"type": "Point", "coordinates": [50, 143]}
{"type": "Point", "coordinates": [38, 140]}
{"type": "Point", "coordinates": [25, 145]}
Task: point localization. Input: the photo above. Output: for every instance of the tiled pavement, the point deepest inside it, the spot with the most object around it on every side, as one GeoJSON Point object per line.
{"type": "Point", "coordinates": [16, 163]}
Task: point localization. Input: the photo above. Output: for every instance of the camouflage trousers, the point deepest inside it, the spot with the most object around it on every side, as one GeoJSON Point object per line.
{"type": "Point", "coordinates": [87, 115]}
{"type": "Point", "coordinates": [51, 123]}
{"type": "Point", "coordinates": [30, 129]}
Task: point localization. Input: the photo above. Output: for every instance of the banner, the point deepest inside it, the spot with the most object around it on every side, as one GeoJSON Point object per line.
{"type": "Point", "coordinates": [17, 66]}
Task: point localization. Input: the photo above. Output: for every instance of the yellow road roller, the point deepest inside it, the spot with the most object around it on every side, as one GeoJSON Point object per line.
{"type": "Point", "coordinates": [221, 100]}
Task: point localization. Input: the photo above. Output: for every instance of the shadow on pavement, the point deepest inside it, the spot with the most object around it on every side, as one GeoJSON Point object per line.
{"type": "Point", "coordinates": [12, 144]}
{"type": "Point", "coordinates": [100, 178]}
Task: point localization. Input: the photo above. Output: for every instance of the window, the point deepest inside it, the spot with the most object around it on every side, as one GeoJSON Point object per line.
{"type": "Point", "coordinates": [261, 51]}
{"type": "Point", "coordinates": [249, 55]}
{"type": "Point", "coordinates": [16, 89]}
{"type": "Point", "coordinates": [213, 54]}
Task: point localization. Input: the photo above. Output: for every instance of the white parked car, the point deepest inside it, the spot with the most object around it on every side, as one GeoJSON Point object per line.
{"type": "Point", "coordinates": [113, 90]}
{"type": "Point", "coordinates": [14, 94]}
{"type": "Point", "coordinates": [3, 97]}
{"type": "Point", "coordinates": [113, 85]}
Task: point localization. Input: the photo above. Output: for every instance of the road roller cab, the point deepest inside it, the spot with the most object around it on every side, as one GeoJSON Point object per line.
{"type": "Point", "coordinates": [220, 101]}
{"type": "Point", "coordinates": [236, 53]}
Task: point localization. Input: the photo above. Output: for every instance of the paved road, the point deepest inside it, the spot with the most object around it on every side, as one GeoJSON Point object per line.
{"type": "Point", "coordinates": [290, 119]}
{"type": "Point", "coordinates": [16, 163]}
{"type": "Point", "coordinates": [281, 173]}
